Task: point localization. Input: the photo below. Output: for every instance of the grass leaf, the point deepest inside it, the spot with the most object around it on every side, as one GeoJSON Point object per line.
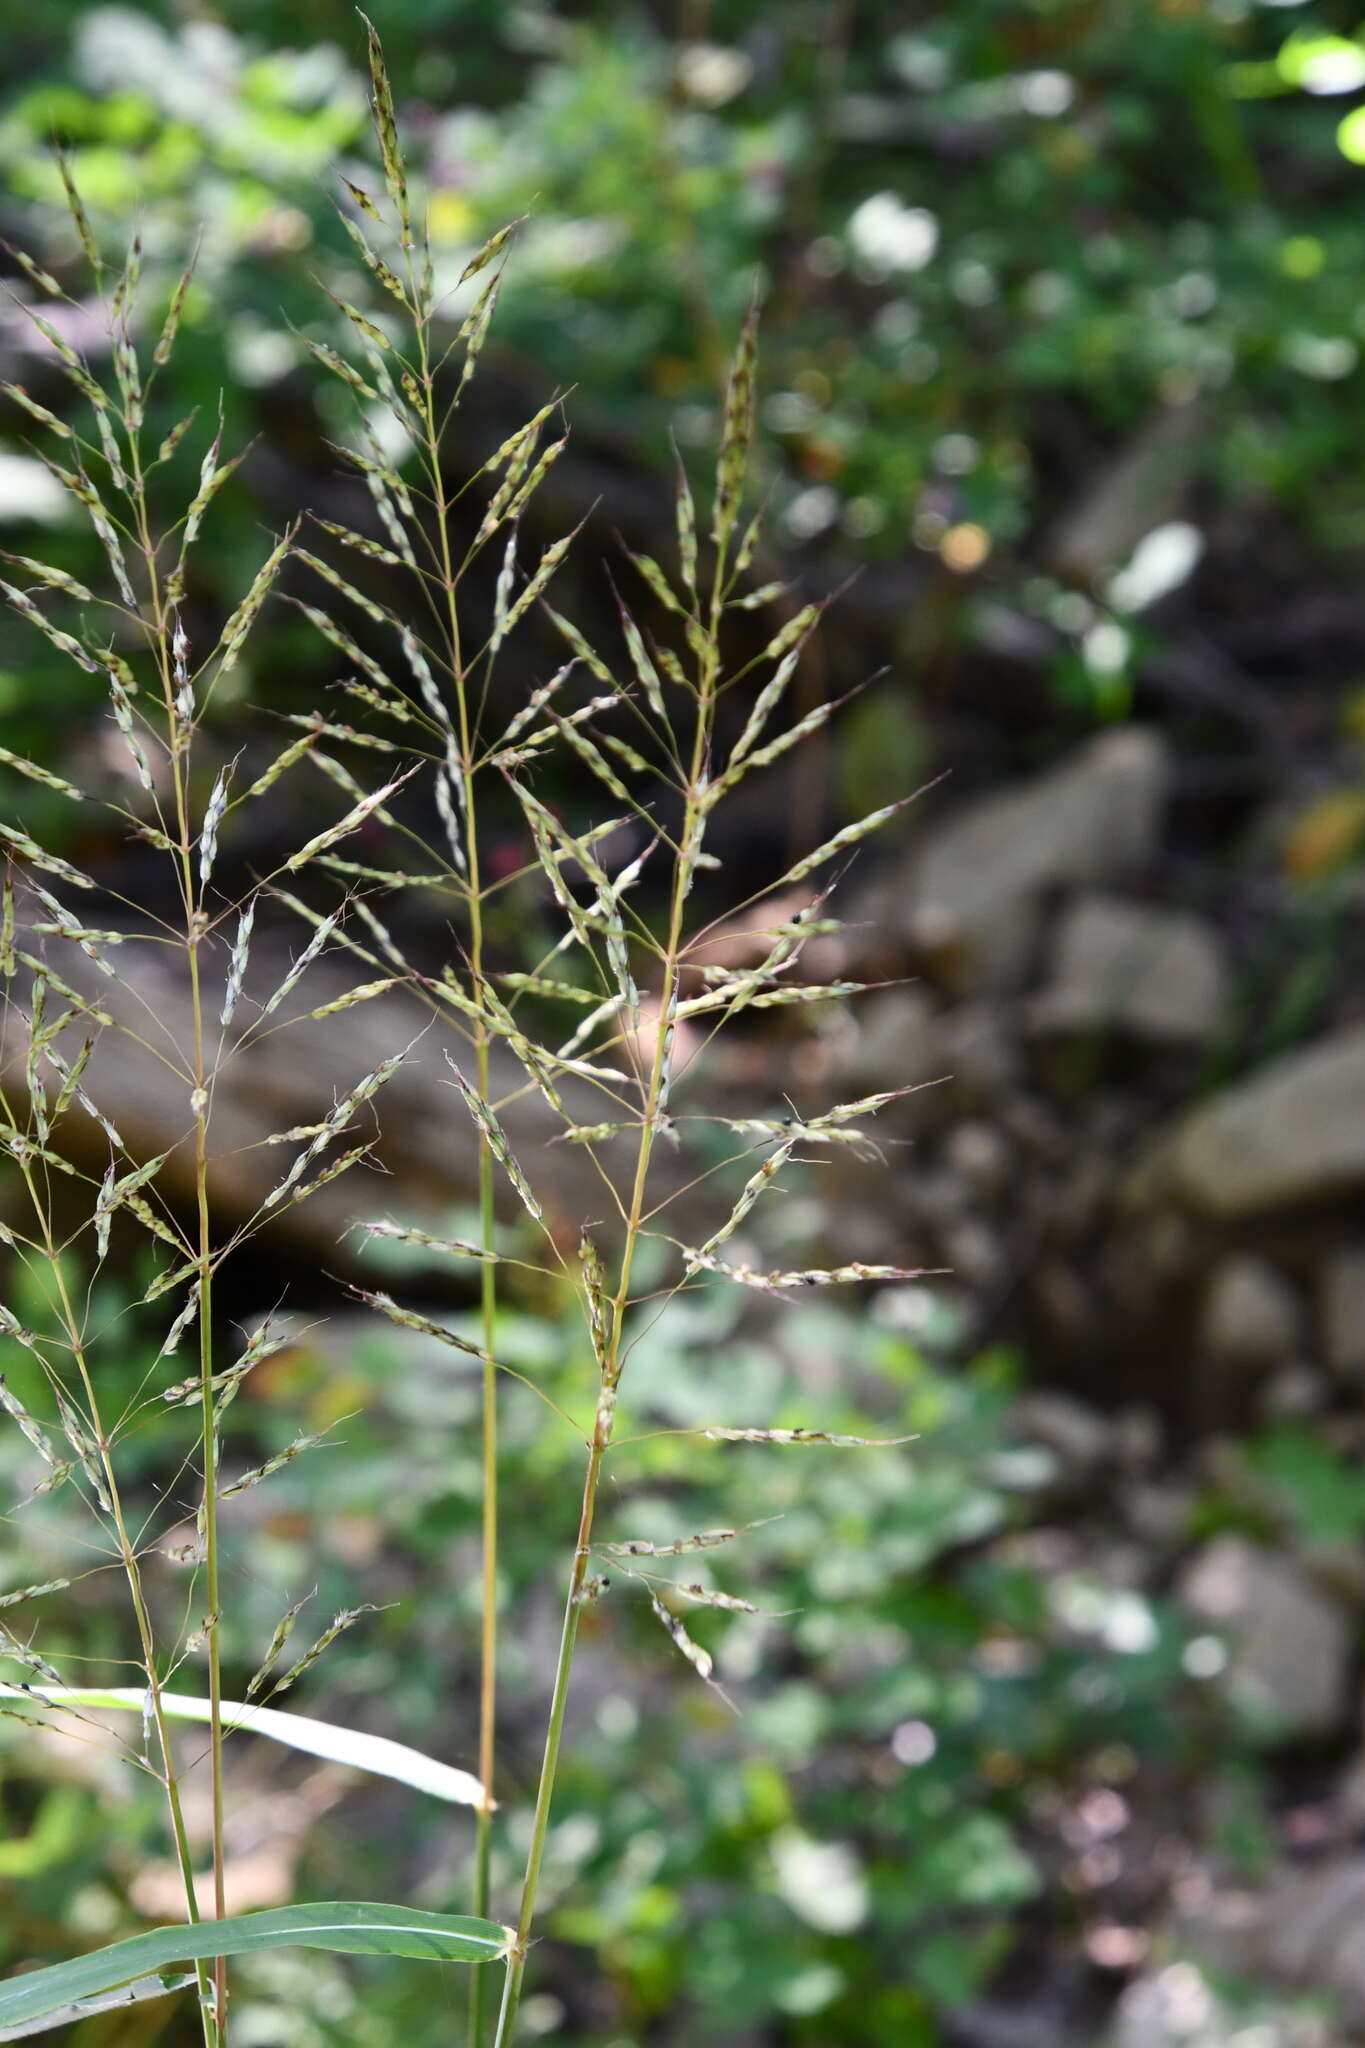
{"type": "Point", "coordinates": [352, 1746]}
{"type": "Point", "coordinates": [350, 1927]}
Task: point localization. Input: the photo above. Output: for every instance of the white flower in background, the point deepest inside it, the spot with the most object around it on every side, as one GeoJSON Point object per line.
{"type": "Point", "coordinates": [822, 1882]}
{"type": "Point", "coordinates": [1105, 648]}
{"type": "Point", "coordinates": [1326, 357]}
{"type": "Point", "coordinates": [891, 236]}
{"type": "Point", "coordinates": [1045, 93]}
{"type": "Point", "coordinates": [811, 511]}
{"type": "Point", "coordinates": [1162, 560]}
{"type": "Point", "coordinates": [711, 73]}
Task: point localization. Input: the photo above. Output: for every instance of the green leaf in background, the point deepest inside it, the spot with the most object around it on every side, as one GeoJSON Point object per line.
{"type": "Point", "coordinates": [350, 1927]}
{"type": "Point", "coordinates": [317, 1738]}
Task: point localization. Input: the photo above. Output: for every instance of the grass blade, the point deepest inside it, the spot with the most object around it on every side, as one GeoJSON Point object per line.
{"type": "Point", "coordinates": [349, 1927]}
{"type": "Point", "coordinates": [351, 1746]}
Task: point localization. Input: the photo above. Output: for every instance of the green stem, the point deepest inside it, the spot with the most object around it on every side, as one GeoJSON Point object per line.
{"type": "Point", "coordinates": [133, 1575]}
{"type": "Point", "coordinates": [612, 1362]}
{"type": "Point", "coordinates": [488, 1640]}
{"type": "Point", "coordinates": [215, 2024]}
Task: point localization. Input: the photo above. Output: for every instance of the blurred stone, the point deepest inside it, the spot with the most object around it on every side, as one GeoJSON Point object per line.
{"type": "Point", "coordinates": [1037, 1128]}
{"type": "Point", "coordinates": [1081, 1198]}
{"type": "Point", "coordinates": [1251, 1316]}
{"type": "Point", "coordinates": [976, 887]}
{"type": "Point", "coordinates": [1158, 1515]}
{"type": "Point", "coordinates": [1065, 1302]}
{"type": "Point", "coordinates": [1137, 1438]}
{"type": "Point", "coordinates": [1171, 2008]}
{"type": "Point", "coordinates": [1313, 1932]}
{"type": "Point", "coordinates": [1341, 1306]}
{"type": "Point", "coordinates": [972, 1250]}
{"type": "Point", "coordinates": [1080, 1437]}
{"type": "Point", "coordinates": [981, 1155]}
{"type": "Point", "coordinates": [1294, 1133]}
{"type": "Point", "coordinates": [1291, 1643]}
{"type": "Point", "coordinates": [1120, 966]}
{"type": "Point", "coordinates": [1291, 1393]}
{"type": "Point", "coordinates": [897, 1043]}
{"type": "Point", "coordinates": [941, 1196]}
{"type": "Point", "coordinates": [980, 1056]}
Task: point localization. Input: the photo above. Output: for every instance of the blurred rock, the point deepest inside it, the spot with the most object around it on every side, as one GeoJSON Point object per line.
{"type": "Point", "coordinates": [897, 1035]}
{"type": "Point", "coordinates": [976, 888]}
{"type": "Point", "coordinates": [981, 1156]}
{"type": "Point", "coordinates": [1079, 1437]}
{"type": "Point", "coordinates": [1341, 1307]}
{"type": "Point", "coordinates": [1137, 1438]}
{"type": "Point", "coordinates": [1157, 1515]}
{"type": "Point", "coordinates": [972, 1251]}
{"type": "Point", "coordinates": [1291, 1643]}
{"type": "Point", "coordinates": [1170, 2008]}
{"type": "Point", "coordinates": [1313, 1933]}
{"type": "Point", "coordinates": [1292, 1393]}
{"type": "Point", "coordinates": [1292, 1134]}
{"type": "Point", "coordinates": [980, 1055]}
{"type": "Point", "coordinates": [1126, 967]}
{"type": "Point", "coordinates": [1251, 1316]}
{"type": "Point", "coordinates": [1066, 1303]}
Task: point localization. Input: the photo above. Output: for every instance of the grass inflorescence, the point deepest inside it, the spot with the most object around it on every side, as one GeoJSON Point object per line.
{"type": "Point", "coordinates": [605, 1026]}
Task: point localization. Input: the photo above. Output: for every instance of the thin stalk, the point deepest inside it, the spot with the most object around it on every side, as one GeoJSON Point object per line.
{"type": "Point", "coordinates": [133, 1575]}
{"type": "Point", "coordinates": [612, 1363]}
{"type": "Point", "coordinates": [195, 925]}
{"type": "Point", "coordinates": [209, 1447]}
{"type": "Point", "coordinates": [488, 1290]}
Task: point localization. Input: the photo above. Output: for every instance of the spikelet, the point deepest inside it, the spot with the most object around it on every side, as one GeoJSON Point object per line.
{"type": "Point", "coordinates": [33, 1592]}
{"type": "Point", "coordinates": [787, 655]}
{"type": "Point", "coordinates": [804, 1436]}
{"type": "Point", "coordinates": [353, 819]}
{"type": "Point", "coordinates": [749, 1194]}
{"type": "Point", "coordinates": [705, 1539]}
{"type": "Point", "coordinates": [344, 1620]}
{"type": "Point", "coordinates": [386, 128]}
{"type": "Point", "coordinates": [244, 617]}
{"type": "Point", "coordinates": [258, 1473]}
{"type": "Point", "coordinates": [284, 1628]}
{"type": "Point", "coordinates": [701, 1660]}
{"type": "Point", "coordinates": [737, 432]}
{"type": "Point", "coordinates": [408, 1319]}
{"type": "Point", "coordinates": [161, 354]}
{"type": "Point", "coordinates": [496, 1138]}
{"type": "Point", "coordinates": [123, 719]}
{"type": "Point", "coordinates": [492, 247]}
{"type": "Point", "coordinates": [208, 831]}
{"type": "Point", "coordinates": [10, 1402]}
{"type": "Point", "coordinates": [850, 836]}
{"type": "Point", "coordinates": [456, 1247]}
{"type": "Point", "coordinates": [63, 642]}
{"type": "Point", "coordinates": [815, 1276]}
{"type": "Point", "coordinates": [237, 964]}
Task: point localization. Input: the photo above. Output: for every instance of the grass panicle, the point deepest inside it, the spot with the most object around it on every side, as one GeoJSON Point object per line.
{"type": "Point", "coordinates": [602, 1019]}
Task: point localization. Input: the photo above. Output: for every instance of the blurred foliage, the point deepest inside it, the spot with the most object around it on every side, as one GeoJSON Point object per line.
{"type": "Point", "coordinates": [926, 1708]}
{"type": "Point", "coordinates": [996, 242]}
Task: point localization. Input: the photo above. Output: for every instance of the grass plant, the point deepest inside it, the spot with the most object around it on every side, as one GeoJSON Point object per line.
{"type": "Point", "coordinates": [605, 1024]}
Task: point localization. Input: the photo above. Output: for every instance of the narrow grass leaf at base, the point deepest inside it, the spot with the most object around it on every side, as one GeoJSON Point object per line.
{"type": "Point", "coordinates": [108, 2001]}
{"type": "Point", "coordinates": [350, 1927]}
